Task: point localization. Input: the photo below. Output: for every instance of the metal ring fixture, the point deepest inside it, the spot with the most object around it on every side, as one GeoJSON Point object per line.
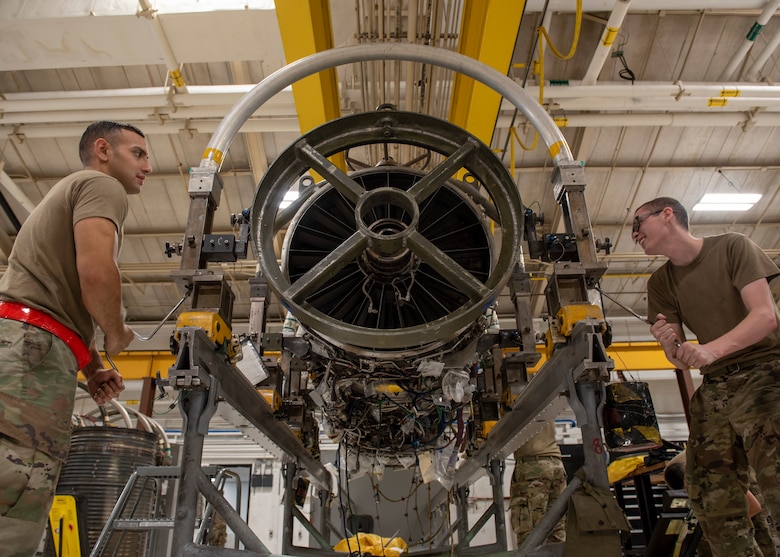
{"type": "Point", "coordinates": [388, 258]}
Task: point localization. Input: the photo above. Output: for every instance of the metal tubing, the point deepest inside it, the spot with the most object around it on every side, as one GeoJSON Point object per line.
{"type": "Point", "coordinates": [309, 527]}
{"type": "Point", "coordinates": [274, 83]}
{"type": "Point", "coordinates": [118, 507]}
{"type": "Point", "coordinates": [231, 517]}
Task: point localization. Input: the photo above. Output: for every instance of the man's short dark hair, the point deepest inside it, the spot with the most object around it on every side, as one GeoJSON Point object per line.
{"type": "Point", "coordinates": [660, 203]}
{"type": "Point", "coordinates": [105, 129]}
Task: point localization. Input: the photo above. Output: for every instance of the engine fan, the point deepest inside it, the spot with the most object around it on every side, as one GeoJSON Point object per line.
{"type": "Point", "coordinates": [390, 270]}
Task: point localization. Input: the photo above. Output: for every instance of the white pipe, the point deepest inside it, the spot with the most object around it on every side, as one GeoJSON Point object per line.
{"type": "Point", "coordinates": [733, 119]}
{"type": "Point", "coordinates": [142, 104]}
{"type": "Point", "coordinates": [739, 55]}
{"type": "Point", "coordinates": [166, 113]}
{"type": "Point", "coordinates": [216, 100]}
{"type": "Point", "coordinates": [607, 38]}
{"type": "Point", "coordinates": [646, 89]}
{"type": "Point", "coordinates": [290, 125]}
{"type": "Point", "coordinates": [646, 5]}
{"type": "Point", "coordinates": [145, 97]}
{"type": "Point", "coordinates": [690, 104]}
{"type": "Point", "coordinates": [150, 15]}
{"type": "Point", "coordinates": [154, 127]}
{"type": "Point", "coordinates": [761, 59]}
{"type": "Point", "coordinates": [411, 38]}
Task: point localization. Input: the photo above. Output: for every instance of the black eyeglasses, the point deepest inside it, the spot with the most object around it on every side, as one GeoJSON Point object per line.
{"type": "Point", "coordinates": [639, 219]}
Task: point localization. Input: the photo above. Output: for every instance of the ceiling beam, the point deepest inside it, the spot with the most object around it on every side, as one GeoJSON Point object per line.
{"type": "Point", "coordinates": [15, 192]}
{"type": "Point", "coordinates": [488, 32]}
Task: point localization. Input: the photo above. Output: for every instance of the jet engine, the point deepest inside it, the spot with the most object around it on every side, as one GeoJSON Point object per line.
{"type": "Point", "coordinates": [404, 232]}
{"type": "Point", "coordinates": [391, 269]}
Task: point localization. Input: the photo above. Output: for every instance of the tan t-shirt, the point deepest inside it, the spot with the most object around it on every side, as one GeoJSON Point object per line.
{"type": "Point", "coordinates": [705, 295]}
{"type": "Point", "coordinates": [42, 269]}
{"type": "Point", "coordinates": [543, 443]}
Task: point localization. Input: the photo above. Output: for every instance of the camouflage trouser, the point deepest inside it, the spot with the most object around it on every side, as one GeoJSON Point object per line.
{"type": "Point", "coordinates": [28, 478]}
{"type": "Point", "coordinates": [536, 484]}
{"type": "Point", "coordinates": [735, 421]}
{"type": "Point", "coordinates": [34, 379]}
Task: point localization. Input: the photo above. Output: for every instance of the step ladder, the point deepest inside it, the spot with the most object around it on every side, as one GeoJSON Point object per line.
{"type": "Point", "coordinates": [133, 491]}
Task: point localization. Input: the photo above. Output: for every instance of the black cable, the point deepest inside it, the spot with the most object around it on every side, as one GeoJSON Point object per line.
{"type": "Point", "coordinates": [626, 72]}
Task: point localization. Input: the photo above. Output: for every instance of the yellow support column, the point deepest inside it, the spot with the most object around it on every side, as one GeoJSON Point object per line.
{"type": "Point", "coordinates": [488, 34]}
{"type": "Point", "coordinates": [306, 28]}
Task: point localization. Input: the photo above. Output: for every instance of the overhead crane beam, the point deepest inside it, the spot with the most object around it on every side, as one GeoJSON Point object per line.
{"type": "Point", "coordinates": [488, 32]}
{"type": "Point", "coordinates": [306, 28]}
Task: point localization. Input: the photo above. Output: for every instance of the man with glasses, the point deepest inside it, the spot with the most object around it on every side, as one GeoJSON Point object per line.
{"type": "Point", "coordinates": [718, 287]}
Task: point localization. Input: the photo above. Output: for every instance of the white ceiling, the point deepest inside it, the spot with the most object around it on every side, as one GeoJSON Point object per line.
{"type": "Point", "coordinates": [65, 64]}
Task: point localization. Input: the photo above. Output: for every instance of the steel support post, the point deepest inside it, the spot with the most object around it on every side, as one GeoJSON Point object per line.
{"type": "Point", "coordinates": [197, 412]}
{"type": "Point", "coordinates": [288, 473]}
{"type": "Point", "coordinates": [463, 511]}
{"type": "Point", "coordinates": [497, 483]}
{"type": "Point", "coordinates": [587, 400]}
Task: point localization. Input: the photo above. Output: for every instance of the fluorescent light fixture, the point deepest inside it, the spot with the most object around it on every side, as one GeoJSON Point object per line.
{"type": "Point", "coordinates": [727, 201]}
{"type": "Point", "coordinates": [289, 197]}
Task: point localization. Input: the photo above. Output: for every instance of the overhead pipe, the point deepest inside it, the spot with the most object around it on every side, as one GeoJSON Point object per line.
{"type": "Point", "coordinates": [753, 72]}
{"type": "Point", "coordinates": [699, 119]}
{"type": "Point", "coordinates": [150, 14]}
{"type": "Point", "coordinates": [164, 113]}
{"type": "Point", "coordinates": [646, 5]}
{"type": "Point", "coordinates": [155, 127]}
{"type": "Point", "coordinates": [578, 89]}
{"type": "Point", "coordinates": [683, 104]}
{"type": "Point", "coordinates": [172, 126]}
{"type": "Point", "coordinates": [217, 97]}
{"type": "Point", "coordinates": [411, 37]}
{"type": "Point", "coordinates": [137, 97]}
{"type": "Point", "coordinates": [607, 39]}
{"type": "Point", "coordinates": [731, 68]}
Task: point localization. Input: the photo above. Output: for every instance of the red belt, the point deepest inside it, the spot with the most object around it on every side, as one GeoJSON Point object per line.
{"type": "Point", "coordinates": [20, 312]}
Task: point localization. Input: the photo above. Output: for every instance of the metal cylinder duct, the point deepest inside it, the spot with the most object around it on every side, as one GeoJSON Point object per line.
{"type": "Point", "coordinates": [388, 258]}
{"type": "Point", "coordinates": [100, 461]}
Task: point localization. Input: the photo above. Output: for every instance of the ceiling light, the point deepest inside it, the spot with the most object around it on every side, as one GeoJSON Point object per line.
{"type": "Point", "coordinates": [727, 201]}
